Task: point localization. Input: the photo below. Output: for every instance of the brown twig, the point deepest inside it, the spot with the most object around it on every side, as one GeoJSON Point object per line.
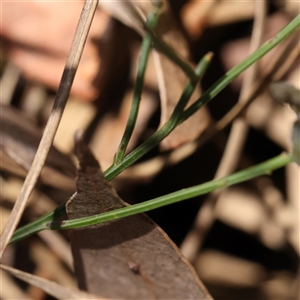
{"type": "Point", "coordinates": [61, 99]}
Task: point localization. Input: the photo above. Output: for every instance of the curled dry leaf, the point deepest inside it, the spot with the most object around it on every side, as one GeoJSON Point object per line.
{"type": "Point", "coordinates": [50, 287]}
{"type": "Point", "coordinates": [286, 93]}
{"type": "Point", "coordinates": [18, 144]}
{"type": "Point", "coordinates": [130, 258]}
{"type": "Point", "coordinates": [171, 79]}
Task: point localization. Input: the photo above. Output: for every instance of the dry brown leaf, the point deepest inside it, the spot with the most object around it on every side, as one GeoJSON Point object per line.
{"type": "Point", "coordinates": [171, 78]}
{"type": "Point", "coordinates": [130, 258]}
{"type": "Point", "coordinates": [50, 287]}
{"type": "Point", "coordinates": [19, 141]}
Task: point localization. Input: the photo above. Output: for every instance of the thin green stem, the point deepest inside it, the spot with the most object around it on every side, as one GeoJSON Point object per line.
{"type": "Point", "coordinates": [145, 50]}
{"type": "Point", "coordinates": [237, 70]}
{"type": "Point", "coordinates": [38, 225]}
{"type": "Point", "coordinates": [261, 169]}
{"type": "Point", "coordinates": [166, 129]}
{"type": "Point", "coordinates": [199, 72]}
{"type": "Point", "coordinates": [164, 48]}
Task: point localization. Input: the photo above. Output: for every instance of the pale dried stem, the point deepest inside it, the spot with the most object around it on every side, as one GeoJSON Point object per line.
{"type": "Point", "coordinates": [239, 130]}
{"type": "Point", "coordinates": [205, 217]}
{"type": "Point", "coordinates": [61, 99]}
{"type": "Point", "coordinates": [281, 64]}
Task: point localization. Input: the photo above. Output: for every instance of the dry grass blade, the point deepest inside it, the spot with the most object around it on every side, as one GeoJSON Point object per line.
{"type": "Point", "coordinates": [54, 119]}
{"type": "Point", "coordinates": [50, 287]}
{"type": "Point", "coordinates": [233, 149]}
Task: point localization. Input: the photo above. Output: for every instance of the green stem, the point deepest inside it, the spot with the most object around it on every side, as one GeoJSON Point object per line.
{"type": "Point", "coordinates": [164, 48]}
{"type": "Point", "coordinates": [166, 129]}
{"type": "Point", "coordinates": [38, 225]}
{"type": "Point", "coordinates": [145, 50]}
{"type": "Point", "coordinates": [237, 70]}
{"type": "Point", "coordinates": [261, 169]}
